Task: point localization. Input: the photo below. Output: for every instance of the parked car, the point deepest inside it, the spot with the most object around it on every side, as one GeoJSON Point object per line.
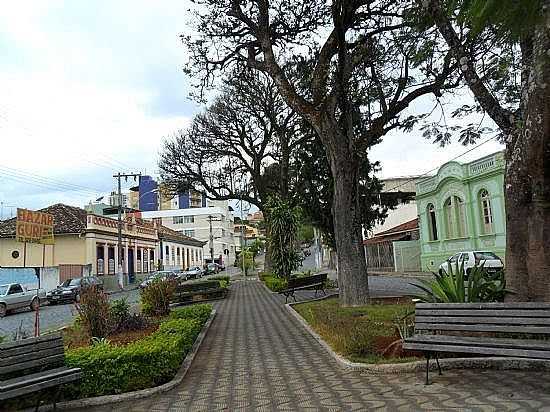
{"type": "Point", "coordinates": [491, 262]}
{"type": "Point", "coordinates": [161, 274]}
{"type": "Point", "coordinates": [15, 296]}
{"type": "Point", "coordinates": [212, 269]}
{"type": "Point", "coordinates": [71, 289]}
{"type": "Point", "coordinates": [194, 272]}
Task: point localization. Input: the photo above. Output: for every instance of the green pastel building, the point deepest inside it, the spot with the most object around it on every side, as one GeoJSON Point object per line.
{"type": "Point", "coordinates": [461, 208]}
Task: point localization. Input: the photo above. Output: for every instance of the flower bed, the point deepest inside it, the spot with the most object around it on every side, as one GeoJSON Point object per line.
{"type": "Point", "coordinates": [367, 334]}
{"type": "Point", "coordinates": [150, 361]}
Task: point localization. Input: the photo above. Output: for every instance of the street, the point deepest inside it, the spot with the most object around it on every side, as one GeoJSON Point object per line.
{"type": "Point", "coordinates": [51, 316]}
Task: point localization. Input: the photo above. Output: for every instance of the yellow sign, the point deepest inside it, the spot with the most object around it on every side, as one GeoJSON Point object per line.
{"type": "Point", "coordinates": [34, 227]}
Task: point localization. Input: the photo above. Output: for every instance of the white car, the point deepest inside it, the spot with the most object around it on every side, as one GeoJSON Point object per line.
{"type": "Point", "coordinates": [491, 262]}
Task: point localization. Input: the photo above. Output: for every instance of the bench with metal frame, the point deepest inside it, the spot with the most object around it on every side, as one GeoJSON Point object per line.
{"type": "Point", "coordinates": [210, 289]}
{"type": "Point", "coordinates": [314, 282]}
{"type": "Point", "coordinates": [34, 365]}
{"type": "Point", "coordinates": [478, 328]}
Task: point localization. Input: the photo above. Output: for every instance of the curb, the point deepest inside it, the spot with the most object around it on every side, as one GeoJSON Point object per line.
{"type": "Point", "coordinates": [498, 363]}
{"type": "Point", "coordinates": [144, 393]}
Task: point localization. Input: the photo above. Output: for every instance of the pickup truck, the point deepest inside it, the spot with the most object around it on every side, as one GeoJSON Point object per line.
{"type": "Point", "coordinates": [15, 296]}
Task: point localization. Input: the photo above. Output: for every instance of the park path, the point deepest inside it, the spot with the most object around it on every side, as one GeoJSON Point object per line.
{"type": "Point", "coordinates": [256, 356]}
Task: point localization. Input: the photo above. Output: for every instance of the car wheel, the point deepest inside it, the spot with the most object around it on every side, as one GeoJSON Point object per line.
{"type": "Point", "coordinates": [35, 304]}
{"type": "Point", "coordinates": [3, 310]}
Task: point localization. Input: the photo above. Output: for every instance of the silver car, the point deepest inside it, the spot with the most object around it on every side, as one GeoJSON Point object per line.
{"type": "Point", "coordinates": [15, 296]}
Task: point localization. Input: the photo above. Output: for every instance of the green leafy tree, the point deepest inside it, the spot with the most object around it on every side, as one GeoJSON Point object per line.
{"type": "Point", "coordinates": [283, 236]}
{"type": "Point", "coordinates": [246, 261]}
{"type": "Point", "coordinates": [502, 51]}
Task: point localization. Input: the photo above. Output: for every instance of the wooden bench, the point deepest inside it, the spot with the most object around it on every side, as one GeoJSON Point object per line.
{"type": "Point", "coordinates": [33, 365]}
{"type": "Point", "coordinates": [210, 289]}
{"type": "Point", "coordinates": [481, 328]}
{"type": "Point", "coordinates": [316, 282]}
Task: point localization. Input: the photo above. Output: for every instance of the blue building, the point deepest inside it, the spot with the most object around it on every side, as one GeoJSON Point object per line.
{"type": "Point", "coordinates": [151, 197]}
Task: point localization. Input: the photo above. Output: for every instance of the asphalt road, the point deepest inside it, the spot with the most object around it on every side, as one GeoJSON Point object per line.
{"type": "Point", "coordinates": [57, 316]}
{"type": "Point", "coordinates": [51, 316]}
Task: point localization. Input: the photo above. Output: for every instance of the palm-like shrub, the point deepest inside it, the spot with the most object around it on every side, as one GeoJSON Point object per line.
{"type": "Point", "coordinates": [452, 287]}
{"type": "Point", "coordinates": [284, 221]}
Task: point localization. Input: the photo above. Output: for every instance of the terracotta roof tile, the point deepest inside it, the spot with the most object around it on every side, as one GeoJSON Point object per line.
{"type": "Point", "coordinates": [67, 219]}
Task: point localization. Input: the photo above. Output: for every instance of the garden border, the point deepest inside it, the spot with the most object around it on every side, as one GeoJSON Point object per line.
{"type": "Point", "coordinates": [144, 393]}
{"type": "Point", "coordinates": [498, 363]}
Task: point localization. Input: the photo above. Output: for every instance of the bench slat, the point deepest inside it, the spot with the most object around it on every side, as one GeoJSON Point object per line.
{"type": "Point", "coordinates": [490, 306]}
{"type": "Point", "coordinates": [483, 328]}
{"type": "Point", "coordinates": [38, 386]}
{"type": "Point", "coordinates": [31, 356]}
{"type": "Point", "coordinates": [36, 377]}
{"type": "Point", "coordinates": [29, 341]}
{"type": "Point", "coordinates": [45, 361]}
{"type": "Point", "coordinates": [20, 350]}
{"type": "Point", "coordinates": [482, 341]}
{"type": "Point", "coordinates": [485, 312]}
{"type": "Point", "coordinates": [495, 320]}
{"type": "Point", "coordinates": [482, 350]}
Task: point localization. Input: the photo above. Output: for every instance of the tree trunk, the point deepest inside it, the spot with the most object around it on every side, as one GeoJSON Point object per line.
{"type": "Point", "coordinates": [537, 141]}
{"type": "Point", "coordinates": [517, 195]}
{"type": "Point", "coordinates": [346, 212]}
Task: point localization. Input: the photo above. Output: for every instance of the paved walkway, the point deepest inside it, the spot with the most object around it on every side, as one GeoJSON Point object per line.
{"type": "Point", "coordinates": [257, 357]}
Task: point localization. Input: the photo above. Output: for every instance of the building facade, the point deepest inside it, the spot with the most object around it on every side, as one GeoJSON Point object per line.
{"type": "Point", "coordinates": [462, 208]}
{"type": "Point", "coordinates": [177, 251]}
{"type": "Point", "coordinates": [86, 243]}
{"type": "Point", "coordinates": [202, 223]}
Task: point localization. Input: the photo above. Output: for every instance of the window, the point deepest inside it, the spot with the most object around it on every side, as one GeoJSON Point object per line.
{"type": "Point", "coordinates": [167, 251]}
{"type": "Point", "coordinates": [178, 220]}
{"type": "Point", "coordinates": [15, 289]}
{"type": "Point", "coordinates": [486, 212]}
{"type": "Point", "coordinates": [454, 216]}
{"type": "Point", "coordinates": [189, 219]}
{"type": "Point", "coordinates": [223, 232]}
{"type": "Point", "coordinates": [189, 232]}
{"type": "Point", "coordinates": [432, 222]}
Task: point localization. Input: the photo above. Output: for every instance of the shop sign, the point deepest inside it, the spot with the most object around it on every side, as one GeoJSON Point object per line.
{"type": "Point", "coordinates": [34, 227]}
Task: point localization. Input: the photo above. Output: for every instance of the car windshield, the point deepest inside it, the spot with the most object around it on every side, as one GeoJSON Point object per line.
{"type": "Point", "coordinates": [485, 256]}
{"type": "Point", "coordinates": [3, 289]}
{"type": "Point", "coordinates": [75, 282]}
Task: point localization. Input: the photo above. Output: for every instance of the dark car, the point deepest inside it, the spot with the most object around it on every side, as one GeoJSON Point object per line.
{"type": "Point", "coordinates": [71, 289]}
{"type": "Point", "coordinates": [162, 274]}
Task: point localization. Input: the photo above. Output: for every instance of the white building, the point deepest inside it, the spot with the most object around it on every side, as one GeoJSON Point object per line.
{"type": "Point", "coordinates": [196, 223]}
{"type": "Point", "coordinates": [405, 211]}
{"type": "Point", "coordinates": [177, 251]}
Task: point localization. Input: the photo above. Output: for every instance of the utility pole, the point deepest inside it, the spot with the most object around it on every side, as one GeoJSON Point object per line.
{"type": "Point", "coordinates": [118, 176]}
{"type": "Point", "coordinates": [211, 237]}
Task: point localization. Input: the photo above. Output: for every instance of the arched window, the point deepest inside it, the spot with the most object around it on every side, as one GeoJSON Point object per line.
{"type": "Point", "coordinates": [454, 216]}
{"type": "Point", "coordinates": [432, 222]}
{"type": "Point", "coordinates": [486, 212]}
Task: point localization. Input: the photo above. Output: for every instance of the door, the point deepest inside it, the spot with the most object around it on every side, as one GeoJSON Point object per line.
{"type": "Point", "coordinates": [131, 271]}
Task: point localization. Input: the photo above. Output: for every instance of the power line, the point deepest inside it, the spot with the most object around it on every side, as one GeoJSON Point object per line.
{"type": "Point", "coordinates": [10, 171]}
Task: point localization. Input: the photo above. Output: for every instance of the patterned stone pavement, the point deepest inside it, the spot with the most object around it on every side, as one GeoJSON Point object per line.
{"type": "Point", "coordinates": [256, 356]}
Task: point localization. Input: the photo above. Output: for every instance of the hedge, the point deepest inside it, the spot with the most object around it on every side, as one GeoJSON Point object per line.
{"type": "Point", "coordinates": [148, 362]}
{"type": "Point", "coordinates": [274, 283]}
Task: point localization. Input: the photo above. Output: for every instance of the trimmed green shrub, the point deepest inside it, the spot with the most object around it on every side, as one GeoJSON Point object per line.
{"type": "Point", "coordinates": [152, 361]}
{"type": "Point", "coordinates": [199, 312]}
{"type": "Point", "coordinates": [274, 283]}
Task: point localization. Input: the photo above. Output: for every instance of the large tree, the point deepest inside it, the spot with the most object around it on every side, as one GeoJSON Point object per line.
{"type": "Point", "coordinates": [239, 147]}
{"type": "Point", "coordinates": [369, 62]}
{"type": "Point", "coordinates": [518, 32]}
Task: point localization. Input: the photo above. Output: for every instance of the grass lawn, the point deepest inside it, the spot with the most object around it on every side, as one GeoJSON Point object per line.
{"type": "Point", "coordinates": [360, 334]}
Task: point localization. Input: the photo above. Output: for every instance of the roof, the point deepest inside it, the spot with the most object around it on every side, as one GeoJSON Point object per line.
{"type": "Point", "coordinates": [395, 233]}
{"type": "Point", "coordinates": [175, 236]}
{"type": "Point", "coordinates": [67, 220]}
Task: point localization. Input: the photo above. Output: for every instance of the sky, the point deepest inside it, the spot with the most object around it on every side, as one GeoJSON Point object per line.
{"type": "Point", "coordinates": [88, 89]}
